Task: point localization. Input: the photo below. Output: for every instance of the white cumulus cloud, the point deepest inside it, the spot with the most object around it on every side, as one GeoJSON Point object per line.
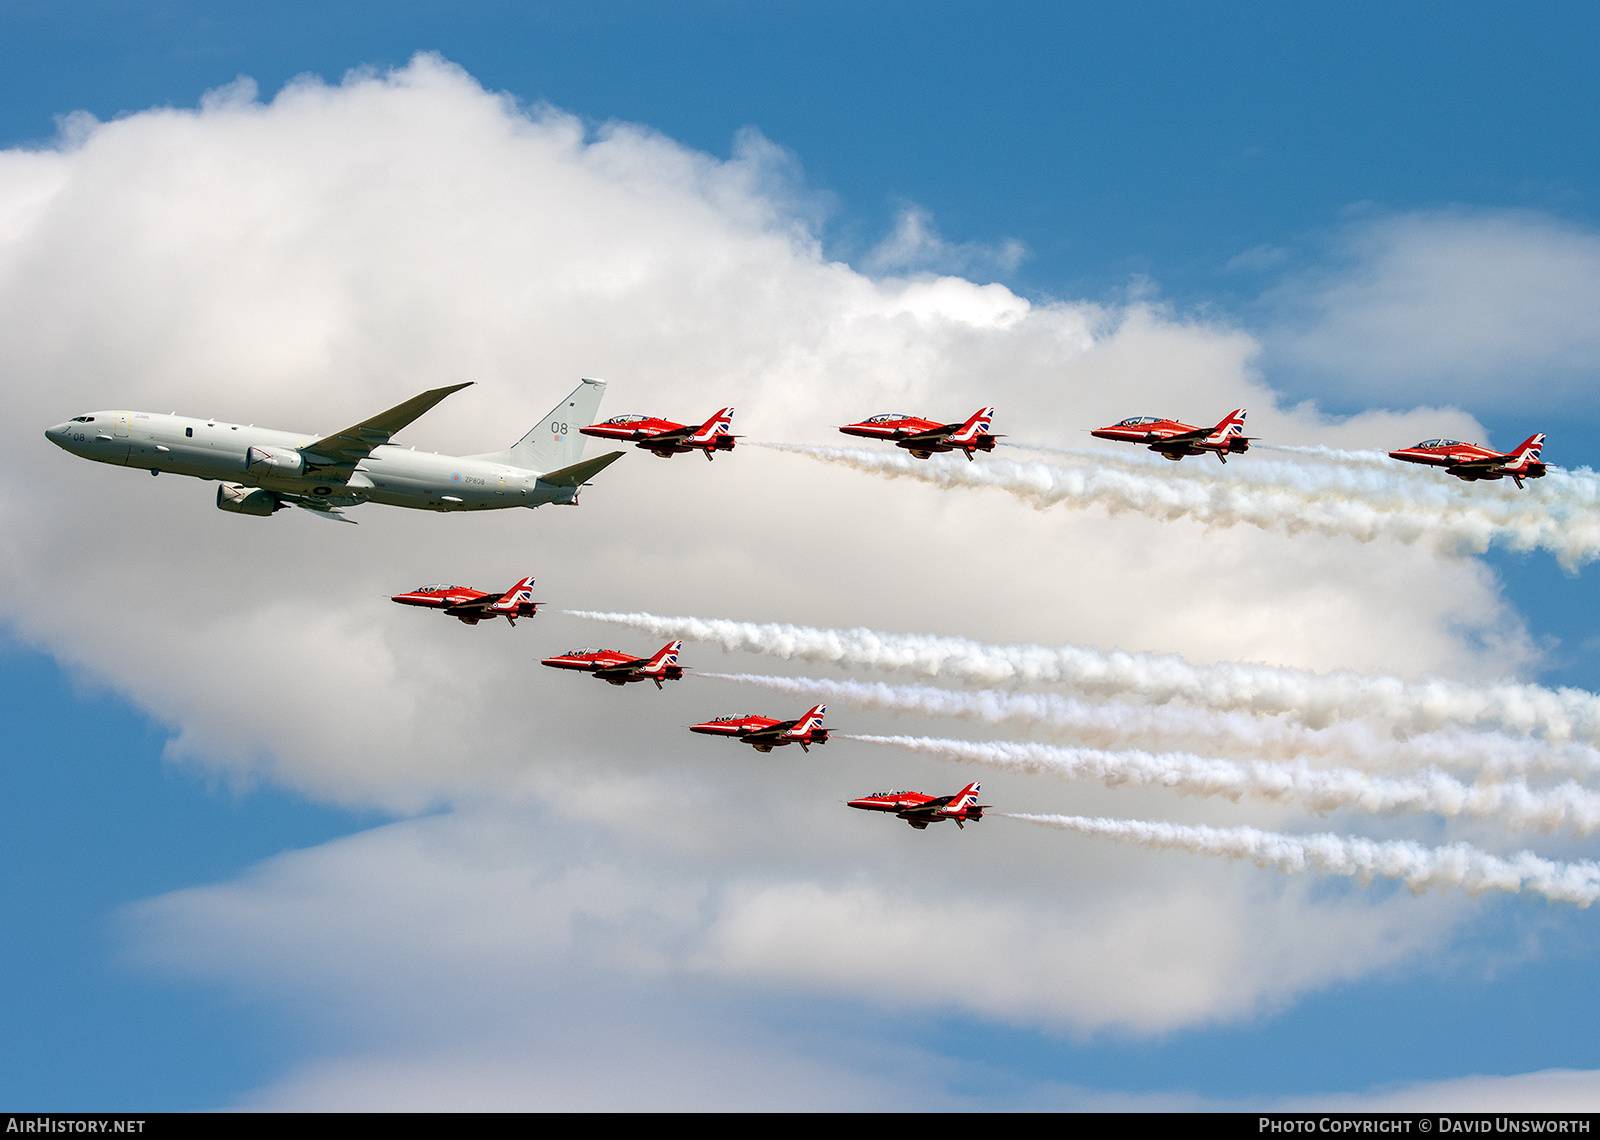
{"type": "Point", "coordinates": [598, 883]}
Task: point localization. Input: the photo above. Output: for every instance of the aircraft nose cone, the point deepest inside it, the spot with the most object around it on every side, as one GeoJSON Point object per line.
{"type": "Point", "coordinates": [57, 435]}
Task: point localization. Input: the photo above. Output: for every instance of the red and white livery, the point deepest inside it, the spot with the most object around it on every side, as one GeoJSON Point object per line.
{"type": "Point", "coordinates": [924, 437]}
{"type": "Point", "coordinates": [1471, 462]}
{"type": "Point", "coordinates": [665, 438]}
{"type": "Point", "coordinates": [764, 734]}
{"type": "Point", "coordinates": [472, 606]}
{"type": "Point", "coordinates": [919, 810]}
{"type": "Point", "coordinates": [621, 668]}
{"type": "Point", "coordinates": [1173, 440]}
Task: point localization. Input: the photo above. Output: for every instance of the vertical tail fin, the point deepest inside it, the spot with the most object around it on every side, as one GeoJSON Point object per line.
{"type": "Point", "coordinates": [666, 655]}
{"type": "Point", "coordinates": [555, 442]}
{"type": "Point", "coordinates": [715, 426]}
{"type": "Point", "coordinates": [1232, 424]}
{"type": "Point", "coordinates": [812, 719]}
{"type": "Point", "coordinates": [977, 425]}
{"type": "Point", "coordinates": [1530, 449]}
{"type": "Point", "coordinates": [965, 797]}
{"type": "Point", "coordinates": [519, 595]}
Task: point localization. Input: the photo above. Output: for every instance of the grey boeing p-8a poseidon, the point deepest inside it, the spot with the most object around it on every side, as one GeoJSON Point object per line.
{"type": "Point", "coordinates": [261, 470]}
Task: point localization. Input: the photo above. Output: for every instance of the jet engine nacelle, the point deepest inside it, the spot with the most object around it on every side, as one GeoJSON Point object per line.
{"type": "Point", "coordinates": [269, 461]}
{"type": "Point", "coordinates": [246, 500]}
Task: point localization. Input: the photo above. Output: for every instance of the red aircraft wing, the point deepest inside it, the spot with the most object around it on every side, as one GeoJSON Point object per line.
{"type": "Point", "coordinates": [968, 436]}
{"type": "Point", "coordinates": [472, 606]}
{"type": "Point", "coordinates": [1472, 462]}
{"type": "Point", "coordinates": [658, 667]}
{"type": "Point", "coordinates": [764, 733]}
{"type": "Point", "coordinates": [924, 437]}
{"type": "Point", "coordinates": [667, 438]}
{"type": "Point", "coordinates": [1174, 439]}
{"type": "Point", "coordinates": [920, 810]}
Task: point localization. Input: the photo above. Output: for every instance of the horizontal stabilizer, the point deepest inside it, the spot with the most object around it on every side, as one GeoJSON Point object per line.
{"type": "Point", "coordinates": [580, 473]}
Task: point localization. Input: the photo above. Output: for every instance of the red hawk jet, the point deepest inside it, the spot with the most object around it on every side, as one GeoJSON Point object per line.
{"type": "Point", "coordinates": [923, 437]}
{"type": "Point", "coordinates": [621, 668]}
{"type": "Point", "coordinates": [1470, 462]}
{"type": "Point", "coordinates": [919, 810]}
{"type": "Point", "coordinates": [1174, 440]}
{"type": "Point", "coordinates": [472, 606]}
{"type": "Point", "coordinates": [665, 438]}
{"type": "Point", "coordinates": [764, 734]}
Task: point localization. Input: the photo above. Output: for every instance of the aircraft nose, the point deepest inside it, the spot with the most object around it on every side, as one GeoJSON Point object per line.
{"type": "Point", "coordinates": [57, 435]}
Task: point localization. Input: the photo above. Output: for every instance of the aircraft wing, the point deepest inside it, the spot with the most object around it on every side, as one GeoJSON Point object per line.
{"type": "Point", "coordinates": [477, 605]}
{"type": "Point", "coordinates": [1184, 437]}
{"type": "Point", "coordinates": [618, 668]}
{"type": "Point", "coordinates": [1491, 461]}
{"type": "Point", "coordinates": [353, 444]}
{"type": "Point", "coordinates": [317, 509]}
{"type": "Point", "coordinates": [771, 732]}
{"type": "Point", "coordinates": [678, 435]}
{"type": "Point", "coordinates": [937, 435]}
{"type": "Point", "coordinates": [932, 807]}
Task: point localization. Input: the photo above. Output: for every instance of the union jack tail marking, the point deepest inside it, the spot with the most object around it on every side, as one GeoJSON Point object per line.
{"type": "Point", "coordinates": [1232, 424]}
{"type": "Point", "coordinates": [974, 427]}
{"type": "Point", "coordinates": [715, 426]}
{"type": "Point", "coordinates": [666, 655]}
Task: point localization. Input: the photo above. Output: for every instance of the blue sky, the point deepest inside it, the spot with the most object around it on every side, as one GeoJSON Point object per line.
{"type": "Point", "coordinates": [1228, 165]}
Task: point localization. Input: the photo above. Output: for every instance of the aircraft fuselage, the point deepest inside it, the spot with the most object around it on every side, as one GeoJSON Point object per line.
{"type": "Point", "coordinates": [261, 457]}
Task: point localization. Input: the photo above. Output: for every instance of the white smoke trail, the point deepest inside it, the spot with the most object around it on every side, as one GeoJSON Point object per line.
{"type": "Point", "coordinates": [1316, 699]}
{"type": "Point", "coordinates": [1116, 724]}
{"type": "Point", "coordinates": [1319, 790]}
{"type": "Point", "coordinates": [1142, 459]}
{"type": "Point", "coordinates": [1559, 513]}
{"type": "Point", "coordinates": [1377, 460]}
{"type": "Point", "coordinates": [1420, 868]}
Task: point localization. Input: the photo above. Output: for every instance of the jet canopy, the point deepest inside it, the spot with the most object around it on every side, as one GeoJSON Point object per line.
{"type": "Point", "coordinates": [626, 419]}
{"type": "Point", "coordinates": [1440, 443]}
{"type": "Point", "coordinates": [1136, 421]}
{"type": "Point", "coordinates": [584, 652]}
{"type": "Point", "coordinates": [436, 588]}
{"type": "Point", "coordinates": [887, 417]}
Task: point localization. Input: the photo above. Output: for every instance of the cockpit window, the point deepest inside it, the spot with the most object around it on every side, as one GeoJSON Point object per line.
{"type": "Point", "coordinates": [887, 417]}
{"type": "Point", "coordinates": [584, 652]}
{"type": "Point", "coordinates": [436, 588]}
{"type": "Point", "coordinates": [626, 419]}
{"type": "Point", "coordinates": [1135, 421]}
{"type": "Point", "coordinates": [83, 419]}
